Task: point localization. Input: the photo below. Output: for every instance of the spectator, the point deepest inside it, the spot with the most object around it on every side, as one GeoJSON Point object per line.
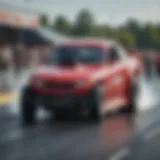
{"type": "Point", "coordinates": [6, 68]}
{"type": "Point", "coordinates": [34, 56]}
{"type": "Point", "coordinates": [18, 58]}
{"type": "Point", "coordinates": [45, 51]}
{"type": "Point", "coordinates": [148, 64]}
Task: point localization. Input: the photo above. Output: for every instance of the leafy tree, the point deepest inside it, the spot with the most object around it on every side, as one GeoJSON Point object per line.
{"type": "Point", "coordinates": [131, 34]}
{"type": "Point", "coordinates": [84, 23]}
{"type": "Point", "coordinates": [127, 39]}
{"type": "Point", "coordinates": [43, 19]}
{"type": "Point", "coordinates": [149, 36]}
{"type": "Point", "coordinates": [62, 24]}
{"type": "Point", "coordinates": [104, 31]}
{"type": "Point", "coordinates": [158, 36]}
{"type": "Point", "coordinates": [134, 27]}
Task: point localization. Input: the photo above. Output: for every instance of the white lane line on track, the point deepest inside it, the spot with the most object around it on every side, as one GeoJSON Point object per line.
{"type": "Point", "coordinates": [122, 153]}
{"type": "Point", "coordinates": [151, 134]}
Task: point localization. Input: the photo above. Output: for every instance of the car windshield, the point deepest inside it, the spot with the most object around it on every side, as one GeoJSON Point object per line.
{"type": "Point", "coordinates": [68, 54]}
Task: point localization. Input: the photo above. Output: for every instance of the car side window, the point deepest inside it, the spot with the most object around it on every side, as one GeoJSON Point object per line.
{"type": "Point", "coordinates": [113, 54]}
{"type": "Point", "coordinates": [122, 53]}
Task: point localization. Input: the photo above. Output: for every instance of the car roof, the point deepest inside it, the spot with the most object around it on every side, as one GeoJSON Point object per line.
{"type": "Point", "coordinates": [88, 42]}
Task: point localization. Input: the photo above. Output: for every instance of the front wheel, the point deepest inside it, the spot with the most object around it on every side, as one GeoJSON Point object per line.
{"type": "Point", "coordinates": [59, 115]}
{"type": "Point", "coordinates": [97, 101]}
{"type": "Point", "coordinates": [28, 106]}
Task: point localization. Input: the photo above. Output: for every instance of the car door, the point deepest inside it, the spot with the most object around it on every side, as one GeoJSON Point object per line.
{"type": "Point", "coordinates": [122, 72]}
{"type": "Point", "coordinates": [115, 90]}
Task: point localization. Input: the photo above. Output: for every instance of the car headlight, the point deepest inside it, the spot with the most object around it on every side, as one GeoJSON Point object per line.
{"type": "Point", "coordinates": [80, 83]}
{"type": "Point", "coordinates": [83, 83]}
{"type": "Point", "coordinates": [37, 82]}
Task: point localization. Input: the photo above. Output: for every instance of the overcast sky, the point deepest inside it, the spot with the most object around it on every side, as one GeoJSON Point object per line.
{"type": "Point", "coordinates": [108, 11]}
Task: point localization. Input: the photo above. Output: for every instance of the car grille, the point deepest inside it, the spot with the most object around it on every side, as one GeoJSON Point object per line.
{"type": "Point", "coordinates": [56, 85]}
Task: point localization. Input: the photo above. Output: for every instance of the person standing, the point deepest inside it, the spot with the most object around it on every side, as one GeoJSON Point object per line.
{"type": "Point", "coordinates": [6, 68]}
{"type": "Point", "coordinates": [148, 64]}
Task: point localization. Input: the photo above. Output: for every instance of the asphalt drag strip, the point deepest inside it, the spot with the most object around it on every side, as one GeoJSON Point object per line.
{"type": "Point", "coordinates": [116, 137]}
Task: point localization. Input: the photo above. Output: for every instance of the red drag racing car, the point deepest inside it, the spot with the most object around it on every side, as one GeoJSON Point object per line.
{"type": "Point", "coordinates": [84, 77]}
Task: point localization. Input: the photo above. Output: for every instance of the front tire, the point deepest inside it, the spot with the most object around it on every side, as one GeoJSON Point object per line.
{"type": "Point", "coordinates": [97, 100]}
{"type": "Point", "coordinates": [28, 106]}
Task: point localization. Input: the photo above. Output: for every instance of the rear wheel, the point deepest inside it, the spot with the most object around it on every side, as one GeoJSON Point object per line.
{"type": "Point", "coordinates": [28, 106]}
{"type": "Point", "coordinates": [133, 92]}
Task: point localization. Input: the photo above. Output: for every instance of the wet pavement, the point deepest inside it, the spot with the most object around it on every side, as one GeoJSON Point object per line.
{"type": "Point", "coordinates": [118, 136]}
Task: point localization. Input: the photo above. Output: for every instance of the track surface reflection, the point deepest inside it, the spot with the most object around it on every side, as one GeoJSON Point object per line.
{"type": "Point", "coordinates": [73, 140]}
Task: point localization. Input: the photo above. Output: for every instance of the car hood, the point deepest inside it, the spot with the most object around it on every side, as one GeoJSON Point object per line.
{"type": "Point", "coordinates": [63, 73]}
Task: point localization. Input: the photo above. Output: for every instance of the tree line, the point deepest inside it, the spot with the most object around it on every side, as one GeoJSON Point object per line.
{"type": "Point", "coordinates": [132, 34]}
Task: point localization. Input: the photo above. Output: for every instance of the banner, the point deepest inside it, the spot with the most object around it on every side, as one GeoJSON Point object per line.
{"type": "Point", "coordinates": [18, 19]}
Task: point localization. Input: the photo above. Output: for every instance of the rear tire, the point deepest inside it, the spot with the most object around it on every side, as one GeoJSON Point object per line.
{"type": "Point", "coordinates": [133, 91]}
{"type": "Point", "coordinates": [28, 106]}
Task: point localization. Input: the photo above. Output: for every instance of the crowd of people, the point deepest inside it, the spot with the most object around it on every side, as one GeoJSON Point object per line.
{"type": "Point", "coordinates": [150, 63]}
{"type": "Point", "coordinates": [20, 57]}
{"type": "Point", "coordinates": [16, 58]}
